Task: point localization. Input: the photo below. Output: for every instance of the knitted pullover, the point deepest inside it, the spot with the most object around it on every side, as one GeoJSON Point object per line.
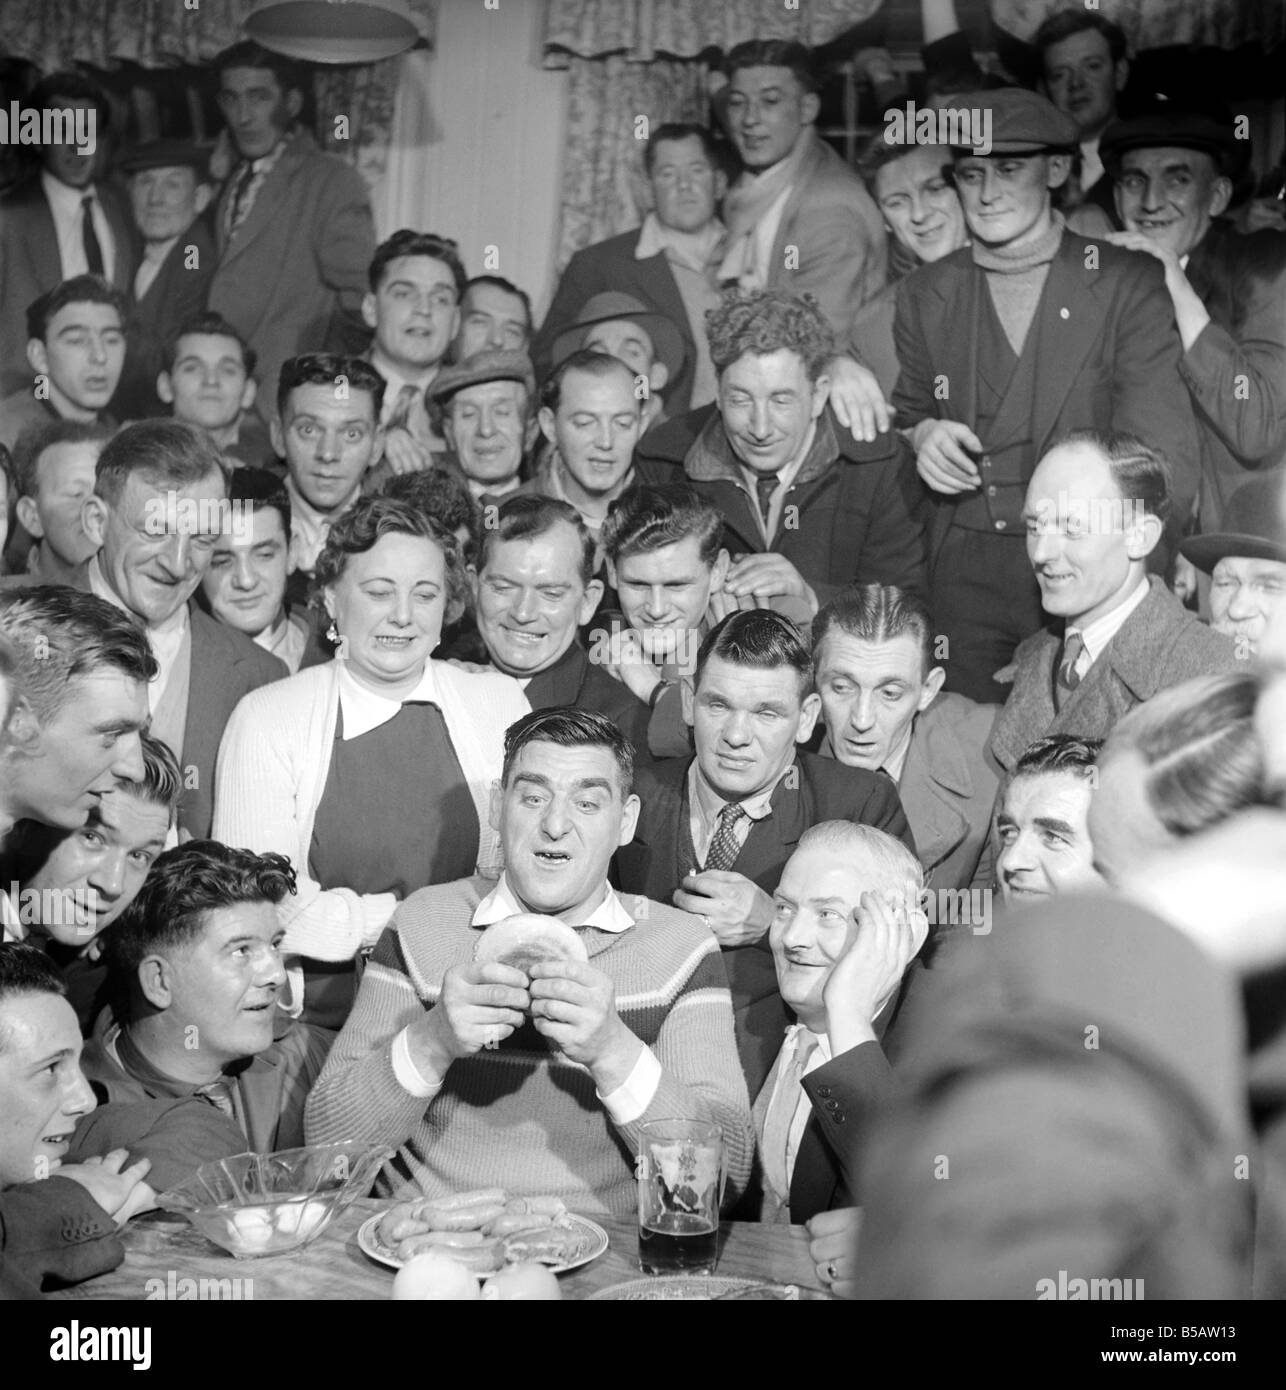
{"type": "Point", "coordinates": [520, 1117]}
{"type": "Point", "coordinates": [1016, 279]}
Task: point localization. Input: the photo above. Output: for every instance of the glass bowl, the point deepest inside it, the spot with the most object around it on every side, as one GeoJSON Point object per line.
{"type": "Point", "coordinates": [266, 1204]}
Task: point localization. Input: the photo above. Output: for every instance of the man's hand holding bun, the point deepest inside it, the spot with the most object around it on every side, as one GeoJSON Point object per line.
{"type": "Point", "coordinates": [574, 1006]}
{"type": "Point", "coordinates": [480, 1005]}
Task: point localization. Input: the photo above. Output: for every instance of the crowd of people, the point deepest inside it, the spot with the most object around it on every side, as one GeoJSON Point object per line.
{"type": "Point", "coordinates": [847, 552]}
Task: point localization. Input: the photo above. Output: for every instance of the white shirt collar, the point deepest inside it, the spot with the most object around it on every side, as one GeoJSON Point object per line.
{"type": "Point", "coordinates": [709, 801]}
{"type": "Point", "coordinates": [896, 761]}
{"type": "Point", "coordinates": [364, 710]}
{"type": "Point", "coordinates": [696, 250]}
{"type": "Point", "coordinates": [1099, 633]}
{"type": "Point", "coordinates": [610, 915]}
{"type": "Point", "coordinates": [63, 199]}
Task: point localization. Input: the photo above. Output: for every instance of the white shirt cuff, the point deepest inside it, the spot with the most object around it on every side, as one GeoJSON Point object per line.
{"type": "Point", "coordinates": [409, 1076]}
{"type": "Point", "coordinates": [633, 1096]}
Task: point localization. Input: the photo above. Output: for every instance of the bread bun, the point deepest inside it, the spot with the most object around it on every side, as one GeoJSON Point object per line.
{"type": "Point", "coordinates": [523, 940]}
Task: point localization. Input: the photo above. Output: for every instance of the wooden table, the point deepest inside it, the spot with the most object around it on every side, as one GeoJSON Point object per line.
{"type": "Point", "coordinates": [161, 1251]}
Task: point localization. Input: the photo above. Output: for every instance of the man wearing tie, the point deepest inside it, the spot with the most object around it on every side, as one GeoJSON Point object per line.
{"type": "Point", "coordinates": [60, 223]}
{"type": "Point", "coordinates": [413, 308]}
{"type": "Point", "coordinates": [1094, 511]}
{"type": "Point", "coordinates": [716, 830]}
{"type": "Point", "coordinates": [847, 927]}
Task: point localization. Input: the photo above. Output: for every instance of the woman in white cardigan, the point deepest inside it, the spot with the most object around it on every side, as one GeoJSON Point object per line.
{"type": "Point", "coordinates": [373, 772]}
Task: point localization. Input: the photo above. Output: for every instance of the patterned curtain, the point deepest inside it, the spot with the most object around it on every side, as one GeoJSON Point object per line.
{"type": "Point", "coordinates": [611, 50]}
{"type": "Point", "coordinates": [642, 29]}
{"type": "Point", "coordinates": [54, 34]}
{"type": "Point", "coordinates": [1147, 24]}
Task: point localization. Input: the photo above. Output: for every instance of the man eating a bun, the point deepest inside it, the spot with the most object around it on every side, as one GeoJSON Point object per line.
{"type": "Point", "coordinates": [514, 1033]}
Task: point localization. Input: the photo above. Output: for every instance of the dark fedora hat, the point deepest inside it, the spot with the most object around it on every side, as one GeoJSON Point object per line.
{"type": "Point", "coordinates": [1251, 527]}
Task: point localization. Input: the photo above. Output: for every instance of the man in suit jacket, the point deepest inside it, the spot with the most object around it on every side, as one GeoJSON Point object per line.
{"type": "Point", "coordinates": [56, 1222]}
{"type": "Point", "coordinates": [293, 225]}
{"type": "Point", "coordinates": [158, 505]}
{"type": "Point", "coordinates": [799, 219]}
{"type": "Point", "coordinates": [847, 927]}
{"type": "Point", "coordinates": [807, 508]}
{"type": "Point", "coordinates": [668, 264]}
{"type": "Point", "coordinates": [45, 236]}
{"type": "Point", "coordinates": [1094, 512]}
{"type": "Point", "coordinates": [715, 831]}
{"type": "Point", "coordinates": [1174, 168]}
{"type": "Point", "coordinates": [169, 195]}
{"type": "Point", "coordinates": [167, 958]}
{"type": "Point", "coordinates": [1003, 346]}
{"type": "Point", "coordinates": [534, 588]}
{"type": "Point", "coordinates": [884, 709]}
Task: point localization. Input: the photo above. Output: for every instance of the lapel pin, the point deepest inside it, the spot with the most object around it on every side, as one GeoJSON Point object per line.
{"type": "Point", "coordinates": [1064, 313]}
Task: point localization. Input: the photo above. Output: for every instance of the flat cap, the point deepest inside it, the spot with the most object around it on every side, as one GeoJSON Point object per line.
{"type": "Point", "coordinates": [1158, 122]}
{"type": "Point", "coordinates": [1249, 528]}
{"type": "Point", "coordinates": [165, 154]}
{"type": "Point", "coordinates": [491, 364]}
{"type": "Point", "coordinates": [1012, 120]}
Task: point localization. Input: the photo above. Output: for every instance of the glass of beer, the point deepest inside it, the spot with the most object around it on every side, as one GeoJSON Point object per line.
{"type": "Point", "coordinates": [680, 1175]}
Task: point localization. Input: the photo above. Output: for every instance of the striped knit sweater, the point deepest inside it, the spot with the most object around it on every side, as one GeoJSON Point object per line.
{"type": "Point", "coordinates": [519, 1117]}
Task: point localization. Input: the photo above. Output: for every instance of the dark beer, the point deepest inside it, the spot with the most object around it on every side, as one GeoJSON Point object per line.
{"type": "Point", "coordinates": [676, 1243]}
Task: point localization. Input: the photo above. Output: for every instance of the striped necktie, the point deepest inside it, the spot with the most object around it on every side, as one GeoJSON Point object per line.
{"type": "Point", "coordinates": [765, 489]}
{"type": "Point", "coordinates": [1068, 676]}
{"type": "Point", "coordinates": [724, 846]}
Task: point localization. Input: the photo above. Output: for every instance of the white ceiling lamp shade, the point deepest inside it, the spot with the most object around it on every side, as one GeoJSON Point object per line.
{"type": "Point", "coordinates": [333, 31]}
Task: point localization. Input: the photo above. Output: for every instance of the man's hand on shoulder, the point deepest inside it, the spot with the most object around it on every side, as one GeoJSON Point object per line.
{"type": "Point", "coordinates": [857, 400]}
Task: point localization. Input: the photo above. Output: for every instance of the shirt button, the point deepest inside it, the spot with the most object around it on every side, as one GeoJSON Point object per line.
{"type": "Point", "coordinates": [991, 489]}
{"type": "Point", "coordinates": [824, 1091]}
{"type": "Point", "coordinates": [986, 460]}
{"type": "Point", "coordinates": [839, 1117]}
{"type": "Point", "coordinates": [1001, 524]}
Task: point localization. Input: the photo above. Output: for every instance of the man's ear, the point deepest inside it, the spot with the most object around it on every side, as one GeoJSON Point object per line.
{"type": "Point", "coordinates": [93, 518]}
{"type": "Point", "coordinates": [154, 981]}
{"type": "Point", "coordinates": [23, 731]}
{"type": "Point", "coordinates": [719, 571]}
{"type": "Point", "coordinates": [1060, 167]}
{"type": "Point", "coordinates": [808, 712]}
{"type": "Point", "coordinates": [1220, 196]}
{"type": "Point", "coordinates": [495, 805]}
{"type": "Point", "coordinates": [37, 357]}
{"type": "Point", "coordinates": [1122, 74]}
{"type": "Point", "coordinates": [658, 376]}
{"type": "Point", "coordinates": [201, 201]}
{"type": "Point", "coordinates": [720, 185]}
{"type": "Point", "coordinates": [248, 393]}
{"type": "Point", "coordinates": [687, 700]}
{"type": "Point", "coordinates": [377, 449]}
{"type": "Point", "coordinates": [530, 431]}
{"type": "Point", "coordinates": [607, 561]}
{"type": "Point", "coordinates": [810, 104]}
{"type": "Point", "coordinates": [369, 315]}
{"type": "Point", "coordinates": [278, 436]}
{"type": "Point", "coordinates": [29, 515]}
{"type": "Point", "coordinates": [165, 387]}
{"type": "Point", "coordinates": [546, 418]}
{"type": "Point", "coordinates": [589, 604]}
{"type": "Point", "coordinates": [821, 394]}
{"type": "Point", "coordinates": [294, 102]}
{"type": "Point", "coordinates": [929, 691]}
{"type": "Point", "coordinates": [1142, 536]}
{"type": "Point", "coordinates": [629, 818]}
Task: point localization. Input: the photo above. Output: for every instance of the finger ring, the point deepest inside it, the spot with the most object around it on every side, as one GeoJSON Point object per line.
{"type": "Point", "coordinates": [829, 1271]}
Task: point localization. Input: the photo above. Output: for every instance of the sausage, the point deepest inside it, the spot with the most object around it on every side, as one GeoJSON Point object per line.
{"type": "Point", "coordinates": [512, 1222]}
{"type": "Point", "coordinates": [469, 1219]}
{"type": "Point", "coordinates": [537, 1206]}
{"type": "Point", "coordinates": [481, 1196]}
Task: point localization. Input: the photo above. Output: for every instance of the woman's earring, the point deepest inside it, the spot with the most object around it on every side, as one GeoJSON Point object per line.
{"type": "Point", "coordinates": [332, 634]}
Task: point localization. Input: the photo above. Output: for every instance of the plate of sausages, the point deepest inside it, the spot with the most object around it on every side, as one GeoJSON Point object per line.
{"type": "Point", "coordinates": [484, 1230]}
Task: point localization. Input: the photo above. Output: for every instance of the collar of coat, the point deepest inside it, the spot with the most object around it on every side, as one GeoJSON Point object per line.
{"type": "Point", "coordinates": [711, 458]}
